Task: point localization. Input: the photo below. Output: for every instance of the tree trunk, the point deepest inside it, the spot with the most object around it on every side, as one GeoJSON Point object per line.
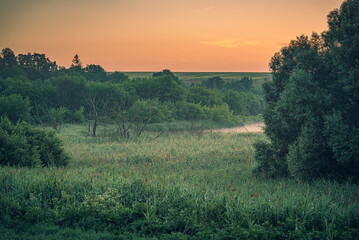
{"type": "Point", "coordinates": [94, 128]}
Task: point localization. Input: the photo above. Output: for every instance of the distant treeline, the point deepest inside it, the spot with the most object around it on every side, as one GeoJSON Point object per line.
{"type": "Point", "coordinates": [35, 89]}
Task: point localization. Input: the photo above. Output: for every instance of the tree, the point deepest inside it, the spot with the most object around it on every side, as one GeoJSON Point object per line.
{"type": "Point", "coordinates": [213, 82]}
{"type": "Point", "coordinates": [76, 64]}
{"type": "Point", "coordinates": [68, 91]}
{"type": "Point", "coordinates": [204, 96]}
{"type": "Point", "coordinates": [56, 117]}
{"type": "Point", "coordinates": [100, 98]}
{"type": "Point", "coordinates": [8, 57]}
{"type": "Point", "coordinates": [168, 73]}
{"type": "Point", "coordinates": [95, 73]}
{"type": "Point", "coordinates": [311, 111]}
{"type": "Point", "coordinates": [247, 83]}
{"type": "Point", "coordinates": [117, 77]}
{"type": "Point", "coordinates": [236, 102]}
{"type": "Point", "coordinates": [143, 112]}
{"type": "Point", "coordinates": [243, 85]}
{"type": "Point", "coordinates": [254, 104]}
{"type": "Point", "coordinates": [163, 88]}
{"type": "Point", "coordinates": [36, 66]}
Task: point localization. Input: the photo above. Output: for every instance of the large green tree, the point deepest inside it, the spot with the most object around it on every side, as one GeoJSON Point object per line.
{"type": "Point", "coordinates": [311, 111]}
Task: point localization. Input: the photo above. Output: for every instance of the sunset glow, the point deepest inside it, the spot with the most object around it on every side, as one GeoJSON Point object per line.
{"type": "Point", "coordinates": [142, 35]}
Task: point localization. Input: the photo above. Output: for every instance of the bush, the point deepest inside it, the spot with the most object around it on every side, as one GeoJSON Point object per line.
{"type": "Point", "coordinates": [24, 145]}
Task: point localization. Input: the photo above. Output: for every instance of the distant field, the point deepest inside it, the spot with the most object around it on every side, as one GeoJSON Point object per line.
{"type": "Point", "coordinates": [198, 77]}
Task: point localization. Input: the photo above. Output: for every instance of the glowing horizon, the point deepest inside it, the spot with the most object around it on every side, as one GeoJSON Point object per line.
{"type": "Point", "coordinates": [139, 35]}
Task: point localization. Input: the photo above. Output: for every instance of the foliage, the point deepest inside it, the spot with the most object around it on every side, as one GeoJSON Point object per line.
{"type": "Point", "coordinates": [75, 116]}
{"type": "Point", "coordinates": [213, 82]}
{"type": "Point", "coordinates": [36, 66]}
{"type": "Point", "coordinates": [24, 145]}
{"type": "Point", "coordinates": [311, 107]}
{"type": "Point", "coordinates": [245, 84]}
{"type": "Point", "coordinates": [254, 104]}
{"type": "Point", "coordinates": [164, 88]}
{"type": "Point", "coordinates": [222, 113]}
{"type": "Point", "coordinates": [117, 77]}
{"type": "Point", "coordinates": [133, 121]}
{"type": "Point", "coordinates": [101, 99]}
{"type": "Point", "coordinates": [95, 72]}
{"type": "Point", "coordinates": [236, 102]}
{"type": "Point", "coordinates": [167, 72]}
{"type": "Point", "coordinates": [15, 108]}
{"type": "Point", "coordinates": [8, 57]}
{"type": "Point", "coordinates": [76, 65]}
{"type": "Point", "coordinates": [151, 111]}
{"type": "Point", "coordinates": [68, 91]}
{"type": "Point", "coordinates": [204, 96]}
{"type": "Point", "coordinates": [56, 117]}
{"type": "Point", "coordinates": [184, 110]}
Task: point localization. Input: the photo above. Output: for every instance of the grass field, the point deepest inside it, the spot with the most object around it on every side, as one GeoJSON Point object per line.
{"type": "Point", "coordinates": [198, 77]}
{"type": "Point", "coordinates": [176, 186]}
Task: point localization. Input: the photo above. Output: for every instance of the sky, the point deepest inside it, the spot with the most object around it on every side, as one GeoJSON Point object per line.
{"type": "Point", "coordinates": [152, 35]}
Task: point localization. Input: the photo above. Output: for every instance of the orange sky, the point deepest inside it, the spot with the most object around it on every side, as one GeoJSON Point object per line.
{"type": "Point", "coordinates": [151, 35]}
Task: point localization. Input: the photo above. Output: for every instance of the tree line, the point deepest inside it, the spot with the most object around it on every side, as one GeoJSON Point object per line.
{"type": "Point", "coordinates": [35, 89]}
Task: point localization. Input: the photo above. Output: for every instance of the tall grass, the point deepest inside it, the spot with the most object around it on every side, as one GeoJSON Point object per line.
{"type": "Point", "coordinates": [176, 186]}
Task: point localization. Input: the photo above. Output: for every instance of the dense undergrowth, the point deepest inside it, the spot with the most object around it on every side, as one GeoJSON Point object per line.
{"type": "Point", "coordinates": [175, 186]}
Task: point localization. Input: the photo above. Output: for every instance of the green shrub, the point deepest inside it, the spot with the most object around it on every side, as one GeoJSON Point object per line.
{"type": "Point", "coordinates": [24, 145]}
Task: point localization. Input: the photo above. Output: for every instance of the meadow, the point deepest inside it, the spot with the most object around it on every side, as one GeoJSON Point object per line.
{"type": "Point", "coordinates": [197, 77]}
{"type": "Point", "coordinates": [179, 185]}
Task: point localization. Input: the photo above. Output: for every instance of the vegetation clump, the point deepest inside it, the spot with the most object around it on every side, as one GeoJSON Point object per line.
{"type": "Point", "coordinates": [24, 145]}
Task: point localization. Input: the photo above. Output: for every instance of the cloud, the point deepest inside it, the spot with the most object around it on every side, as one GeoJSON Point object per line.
{"type": "Point", "coordinates": [230, 43]}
